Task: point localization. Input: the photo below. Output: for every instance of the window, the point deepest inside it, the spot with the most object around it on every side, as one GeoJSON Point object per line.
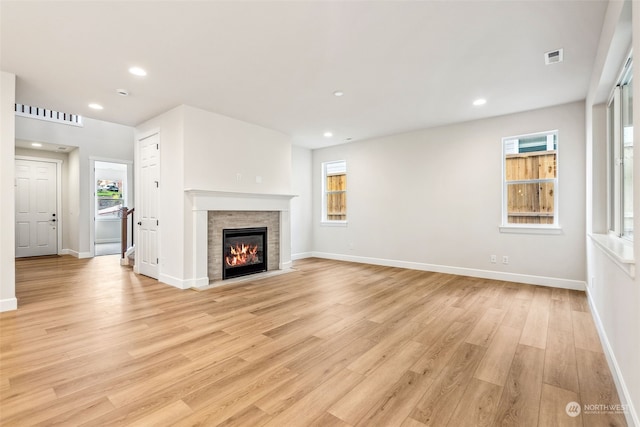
{"type": "Point", "coordinates": [334, 189]}
{"type": "Point", "coordinates": [620, 156]}
{"type": "Point", "coordinates": [109, 198]}
{"type": "Point", "coordinates": [530, 180]}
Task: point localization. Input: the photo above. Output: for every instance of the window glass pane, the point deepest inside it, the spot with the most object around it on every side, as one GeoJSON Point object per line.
{"type": "Point", "coordinates": [530, 178]}
{"type": "Point", "coordinates": [627, 163]}
{"type": "Point", "coordinates": [530, 203]}
{"type": "Point", "coordinates": [337, 197]}
{"type": "Point", "coordinates": [110, 200]}
{"type": "Point", "coordinates": [527, 144]}
{"type": "Point", "coordinates": [533, 165]}
{"type": "Point", "coordinates": [335, 191]}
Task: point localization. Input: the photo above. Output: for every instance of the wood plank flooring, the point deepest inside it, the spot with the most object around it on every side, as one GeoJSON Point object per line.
{"type": "Point", "coordinates": [330, 344]}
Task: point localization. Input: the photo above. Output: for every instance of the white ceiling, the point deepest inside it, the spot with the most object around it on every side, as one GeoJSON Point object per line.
{"type": "Point", "coordinates": [402, 65]}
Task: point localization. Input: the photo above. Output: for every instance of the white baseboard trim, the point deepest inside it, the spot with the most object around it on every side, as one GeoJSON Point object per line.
{"type": "Point", "coordinates": [301, 255]}
{"type": "Point", "coordinates": [174, 281]}
{"type": "Point", "coordinates": [241, 279]}
{"type": "Point", "coordinates": [551, 282]}
{"type": "Point", "coordinates": [115, 240]}
{"type": "Point", "coordinates": [75, 253]}
{"type": "Point", "coordinates": [8, 304]}
{"type": "Point", "coordinates": [623, 392]}
{"type": "Point", "coordinates": [197, 283]}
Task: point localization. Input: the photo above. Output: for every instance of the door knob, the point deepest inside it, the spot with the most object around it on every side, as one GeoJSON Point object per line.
{"type": "Point", "coordinates": [139, 222]}
{"type": "Point", "coordinates": [53, 220]}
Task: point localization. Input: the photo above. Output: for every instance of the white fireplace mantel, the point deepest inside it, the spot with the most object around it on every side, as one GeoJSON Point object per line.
{"type": "Point", "coordinates": [203, 201]}
{"type": "Point", "coordinates": [206, 200]}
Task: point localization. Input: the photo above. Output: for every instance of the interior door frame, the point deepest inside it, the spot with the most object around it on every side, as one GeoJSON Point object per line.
{"type": "Point", "coordinates": [59, 212]}
{"type": "Point", "coordinates": [92, 194]}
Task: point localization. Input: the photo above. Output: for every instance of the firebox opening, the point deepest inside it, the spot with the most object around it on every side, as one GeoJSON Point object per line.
{"type": "Point", "coordinates": [244, 251]}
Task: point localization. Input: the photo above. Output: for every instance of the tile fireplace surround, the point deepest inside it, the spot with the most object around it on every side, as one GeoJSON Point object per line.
{"type": "Point", "coordinates": [206, 206]}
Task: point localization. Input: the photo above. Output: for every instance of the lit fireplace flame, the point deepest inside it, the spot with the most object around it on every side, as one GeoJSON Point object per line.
{"type": "Point", "coordinates": [242, 254]}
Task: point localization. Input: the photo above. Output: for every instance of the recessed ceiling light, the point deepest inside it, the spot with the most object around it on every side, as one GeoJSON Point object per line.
{"type": "Point", "coordinates": [137, 71]}
{"type": "Point", "coordinates": [95, 106]}
{"type": "Point", "coordinates": [338, 93]}
{"type": "Point", "coordinates": [328, 134]}
{"type": "Point", "coordinates": [480, 101]}
{"type": "Point", "coordinates": [36, 144]}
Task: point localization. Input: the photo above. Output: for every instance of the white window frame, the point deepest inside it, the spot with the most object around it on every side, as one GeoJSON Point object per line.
{"type": "Point", "coordinates": [507, 227]}
{"type": "Point", "coordinates": [615, 169]}
{"type": "Point", "coordinates": [325, 167]}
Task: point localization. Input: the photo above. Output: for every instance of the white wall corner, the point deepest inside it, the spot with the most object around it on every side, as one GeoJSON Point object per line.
{"type": "Point", "coordinates": [7, 183]}
{"type": "Point", "coordinates": [631, 414]}
{"type": "Point", "coordinates": [71, 252]}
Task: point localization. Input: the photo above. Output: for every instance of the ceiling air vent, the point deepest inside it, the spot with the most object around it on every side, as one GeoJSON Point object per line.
{"type": "Point", "coordinates": [553, 57]}
{"type": "Point", "coordinates": [48, 115]}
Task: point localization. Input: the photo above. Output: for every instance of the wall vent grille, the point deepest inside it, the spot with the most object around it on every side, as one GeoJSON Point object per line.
{"type": "Point", "coordinates": [48, 115]}
{"type": "Point", "coordinates": [554, 56]}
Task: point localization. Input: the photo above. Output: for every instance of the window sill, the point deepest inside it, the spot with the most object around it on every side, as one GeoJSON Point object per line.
{"type": "Point", "coordinates": [333, 223]}
{"type": "Point", "coordinates": [529, 229]}
{"type": "Point", "coordinates": [619, 250]}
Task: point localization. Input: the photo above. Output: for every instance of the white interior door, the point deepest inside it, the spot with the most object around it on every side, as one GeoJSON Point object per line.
{"type": "Point", "coordinates": [148, 223]}
{"type": "Point", "coordinates": [36, 208]}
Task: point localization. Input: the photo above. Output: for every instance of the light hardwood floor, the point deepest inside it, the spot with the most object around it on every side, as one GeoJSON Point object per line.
{"type": "Point", "coordinates": [331, 344]}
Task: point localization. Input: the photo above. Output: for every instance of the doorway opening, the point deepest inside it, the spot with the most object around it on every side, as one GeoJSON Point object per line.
{"type": "Point", "coordinates": [111, 195]}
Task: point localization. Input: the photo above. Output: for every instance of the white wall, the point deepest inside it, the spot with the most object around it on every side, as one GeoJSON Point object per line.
{"type": "Point", "coordinates": [613, 294]}
{"type": "Point", "coordinates": [432, 200]}
{"type": "Point", "coordinates": [96, 139]}
{"type": "Point", "coordinates": [7, 207]}
{"type": "Point", "coordinates": [302, 205]}
{"type": "Point", "coordinates": [71, 215]}
{"type": "Point", "coordinates": [226, 154]}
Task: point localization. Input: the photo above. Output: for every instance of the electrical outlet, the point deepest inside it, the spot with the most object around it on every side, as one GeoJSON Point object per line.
{"type": "Point", "coordinates": [505, 259]}
{"type": "Point", "coordinates": [493, 259]}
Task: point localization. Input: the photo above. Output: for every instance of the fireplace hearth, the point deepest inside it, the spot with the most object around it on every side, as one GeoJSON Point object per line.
{"type": "Point", "coordinates": [244, 251]}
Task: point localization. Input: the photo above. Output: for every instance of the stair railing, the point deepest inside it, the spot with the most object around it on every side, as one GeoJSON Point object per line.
{"type": "Point", "coordinates": [124, 236]}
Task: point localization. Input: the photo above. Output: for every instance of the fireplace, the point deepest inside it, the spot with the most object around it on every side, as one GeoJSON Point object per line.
{"type": "Point", "coordinates": [214, 211]}
{"type": "Point", "coordinates": [244, 251]}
